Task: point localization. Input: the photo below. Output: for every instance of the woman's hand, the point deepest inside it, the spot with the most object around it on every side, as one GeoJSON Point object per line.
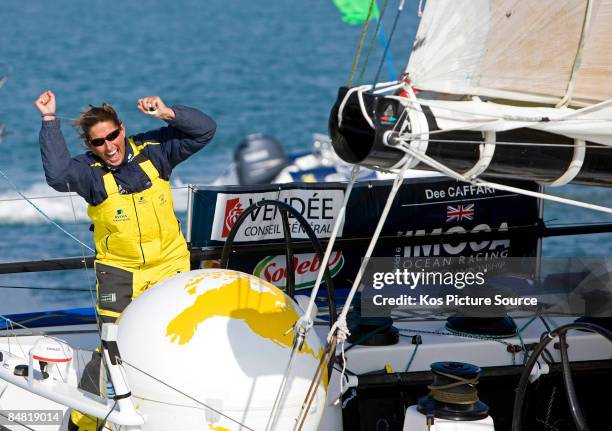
{"type": "Point", "coordinates": [46, 105]}
{"type": "Point", "coordinates": [155, 107]}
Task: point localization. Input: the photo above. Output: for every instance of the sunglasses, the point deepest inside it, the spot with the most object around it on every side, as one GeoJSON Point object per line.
{"type": "Point", "coordinates": [110, 137]}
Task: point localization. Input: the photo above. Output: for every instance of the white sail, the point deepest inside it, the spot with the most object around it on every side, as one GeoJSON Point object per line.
{"type": "Point", "coordinates": [538, 51]}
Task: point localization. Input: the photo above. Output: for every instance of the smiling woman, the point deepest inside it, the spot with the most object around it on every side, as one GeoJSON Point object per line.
{"type": "Point", "coordinates": [103, 133]}
{"type": "Point", "coordinates": [126, 182]}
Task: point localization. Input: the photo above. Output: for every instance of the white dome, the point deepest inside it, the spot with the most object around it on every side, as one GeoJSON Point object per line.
{"type": "Point", "coordinates": [221, 337]}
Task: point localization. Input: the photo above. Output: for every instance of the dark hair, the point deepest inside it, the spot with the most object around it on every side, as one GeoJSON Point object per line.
{"type": "Point", "coordinates": [92, 116]}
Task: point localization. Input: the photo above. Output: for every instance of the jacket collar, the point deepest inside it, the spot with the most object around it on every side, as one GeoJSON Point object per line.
{"type": "Point", "coordinates": [129, 156]}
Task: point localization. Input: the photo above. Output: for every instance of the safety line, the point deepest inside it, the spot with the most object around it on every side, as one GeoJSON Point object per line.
{"type": "Point", "coordinates": [43, 213]}
{"type": "Point", "coordinates": [376, 30]}
{"type": "Point", "coordinates": [364, 31]}
{"type": "Point", "coordinates": [382, 60]}
{"type": "Point", "coordinates": [123, 361]}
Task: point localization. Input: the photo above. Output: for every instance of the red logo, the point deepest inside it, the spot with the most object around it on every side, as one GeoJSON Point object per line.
{"type": "Point", "coordinates": [233, 209]}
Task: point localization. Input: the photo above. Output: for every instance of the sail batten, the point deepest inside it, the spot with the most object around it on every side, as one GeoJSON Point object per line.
{"type": "Point", "coordinates": [519, 50]}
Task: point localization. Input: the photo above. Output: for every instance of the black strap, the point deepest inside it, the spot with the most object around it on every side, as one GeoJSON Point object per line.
{"type": "Point", "coordinates": [141, 158]}
{"type": "Point", "coordinates": [113, 350]}
{"type": "Point", "coordinates": [120, 397]}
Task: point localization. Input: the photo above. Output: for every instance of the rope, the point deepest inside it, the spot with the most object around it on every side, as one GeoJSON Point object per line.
{"type": "Point", "coordinates": [468, 395]}
{"type": "Point", "coordinates": [330, 246]}
{"type": "Point", "coordinates": [103, 423]}
{"type": "Point", "coordinates": [33, 198]}
{"type": "Point", "coordinates": [314, 384]}
{"type": "Point", "coordinates": [383, 217]}
{"type": "Point", "coordinates": [551, 402]}
{"type": "Point", "coordinates": [87, 276]}
{"type": "Point", "coordinates": [59, 289]}
{"type": "Point", "coordinates": [364, 31]}
{"type": "Point", "coordinates": [340, 330]}
{"type": "Point", "coordinates": [64, 195]}
{"type": "Point", "coordinates": [43, 214]}
{"type": "Point", "coordinates": [382, 60]}
{"type": "Point", "coordinates": [281, 390]}
{"type": "Point", "coordinates": [476, 181]}
{"type": "Point", "coordinates": [465, 335]}
{"type": "Point", "coordinates": [578, 58]}
{"type": "Point", "coordinates": [495, 338]}
{"type": "Point", "coordinates": [367, 336]}
{"type": "Point", "coordinates": [520, 144]}
{"type": "Point", "coordinates": [12, 325]}
{"type": "Point", "coordinates": [411, 360]}
{"type": "Point", "coordinates": [378, 25]}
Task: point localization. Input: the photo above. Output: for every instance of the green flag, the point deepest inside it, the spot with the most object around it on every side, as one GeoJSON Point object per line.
{"type": "Point", "coordinates": [356, 11]}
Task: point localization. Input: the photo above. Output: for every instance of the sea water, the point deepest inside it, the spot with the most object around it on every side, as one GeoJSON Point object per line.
{"type": "Point", "coordinates": [255, 66]}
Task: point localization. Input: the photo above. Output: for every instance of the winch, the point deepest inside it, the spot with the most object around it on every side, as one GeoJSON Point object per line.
{"type": "Point", "coordinates": [452, 403]}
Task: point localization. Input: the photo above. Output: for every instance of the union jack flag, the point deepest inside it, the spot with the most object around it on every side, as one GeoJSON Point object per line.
{"type": "Point", "coordinates": [459, 212]}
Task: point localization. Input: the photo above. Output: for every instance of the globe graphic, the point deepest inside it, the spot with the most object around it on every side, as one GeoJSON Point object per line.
{"type": "Point", "coordinates": [208, 349]}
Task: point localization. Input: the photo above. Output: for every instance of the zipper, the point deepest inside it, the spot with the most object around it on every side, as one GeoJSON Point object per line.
{"type": "Point", "coordinates": [139, 232]}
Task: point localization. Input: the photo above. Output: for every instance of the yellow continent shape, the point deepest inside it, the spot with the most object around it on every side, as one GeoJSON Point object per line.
{"type": "Point", "coordinates": [267, 313]}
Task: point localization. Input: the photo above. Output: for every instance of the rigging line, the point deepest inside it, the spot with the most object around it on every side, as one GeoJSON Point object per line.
{"type": "Point", "coordinates": [330, 244]}
{"type": "Point", "coordinates": [123, 361]}
{"type": "Point", "coordinates": [569, 91]}
{"type": "Point", "coordinates": [459, 200]}
{"type": "Point", "coordinates": [65, 195]}
{"type": "Point", "coordinates": [303, 325]}
{"type": "Point", "coordinates": [43, 213]}
{"type": "Point", "coordinates": [476, 181]}
{"type": "Point", "coordinates": [276, 407]}
{"type": "Point", "coordinates": [314, 385]}
{"type": "Point", "coordinates": [364, 31]}
{"type": "Point", "coordinates": [520, 144]}
{"type": "Point", "coordinates": [382, 60]}
{"type": "Point", "coordinates": [367, 57]}
{"type": "Point", "coordinates": [87, 275]}
{"type": "Point", "coordinates": [12, 325]}
{"type": "Point", "coordinates": [601, 223]}
{"type": "Point", "coordinates": [33, 198]}
{"type": "Point", "coordinates": [340, 325]}
{"type": "Point", "coordinates": [42, 317]}
{"type": "Point", "coordinates": [495, 339]}
{"type": "Point", "coordinates": [67, 289]}
{"type": "Point", "coordinates": [103, 423]}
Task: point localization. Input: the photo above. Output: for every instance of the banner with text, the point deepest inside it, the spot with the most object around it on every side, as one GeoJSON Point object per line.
{"type": "Point", "coordinates": [424, 207]}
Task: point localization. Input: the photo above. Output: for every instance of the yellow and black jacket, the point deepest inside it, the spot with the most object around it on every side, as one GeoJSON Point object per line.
{"type": "Point", "coordinates": [136, 233]}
